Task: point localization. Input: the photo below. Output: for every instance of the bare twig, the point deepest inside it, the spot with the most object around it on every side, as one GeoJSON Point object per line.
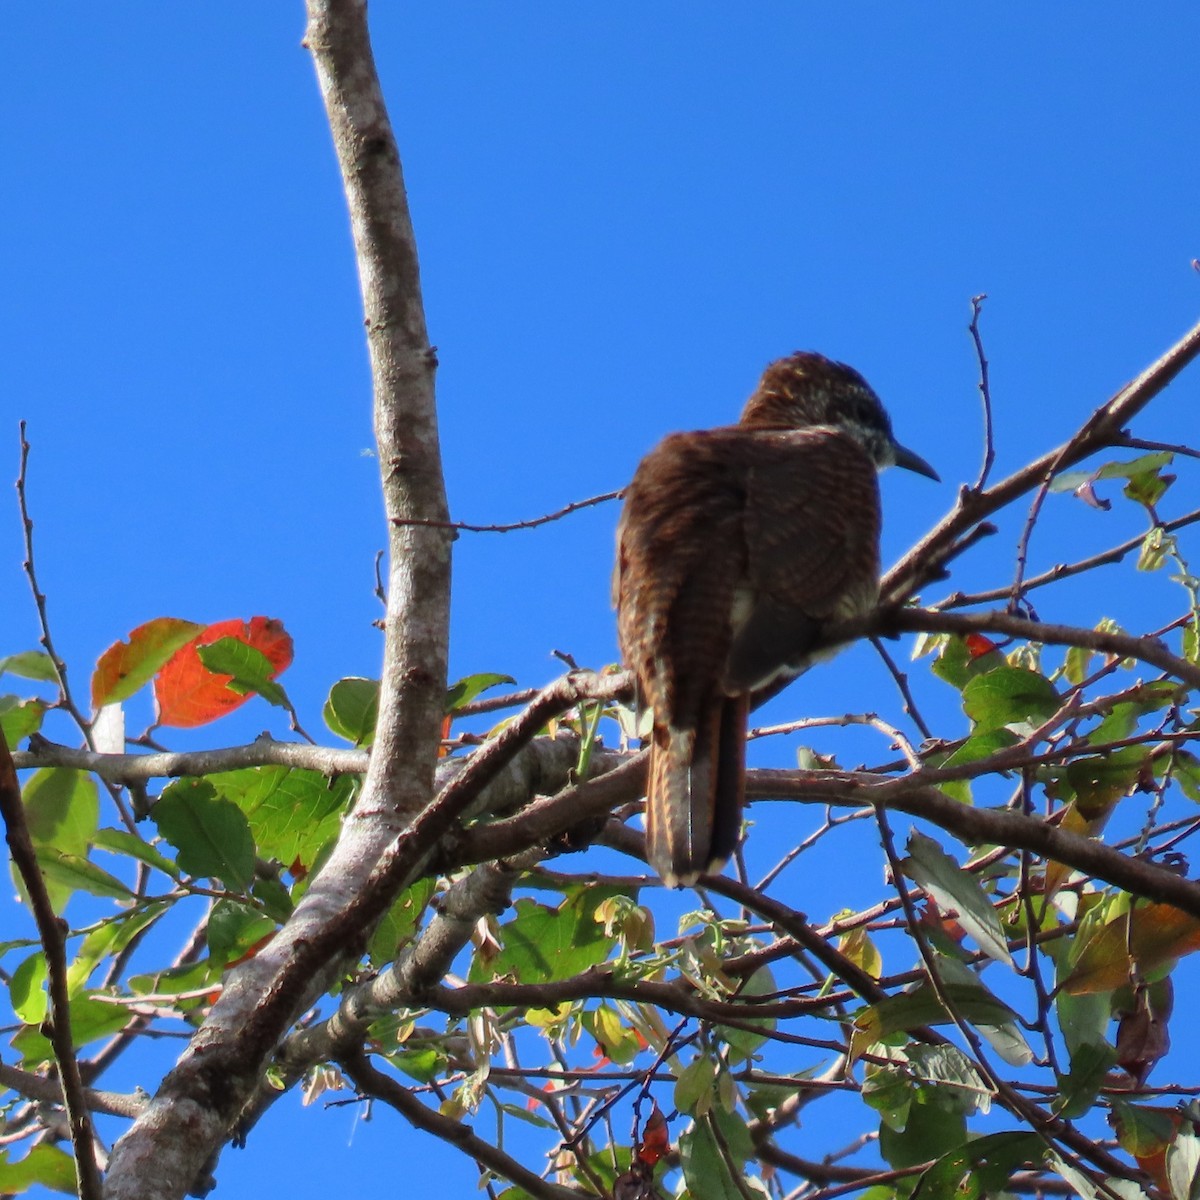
{"type": "Point", "coordinates": [532, 523]}
{"type": "Point", "coordinates": [65, 698]}
{"type": "Point", "coordinates": [1066, 570]}
{"type": "Point", "coordinates": [928, 556]}
{"type": "Point", "coordinates": [985, 394]}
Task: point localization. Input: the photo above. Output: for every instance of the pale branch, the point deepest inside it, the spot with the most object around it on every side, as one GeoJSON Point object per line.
{"type": "Point", "coordinates": [133, 769]}
{"type": "Point", "coordinates": [200, 1100]}
{"type": "Point", "coordinates": [1102, 429]}
{"type": "Point", "coordinates": [52, 932]}
{"type": "Point", "coordinates": [423, 965]}
{"type": "Point", "coordinates": [49, 1091]}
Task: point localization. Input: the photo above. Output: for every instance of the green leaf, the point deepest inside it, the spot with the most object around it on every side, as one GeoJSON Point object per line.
{"type": "Point", "coordinates": [30, 664]}
{"type": "Point", "coordinates": [1123, 718]}
{"type": "Point", "coordinates": [173, 981]}
{"type": "Point", "coordinates": [705, 1151]}
{"type": "Point", "coordinates": [743, 1042]}
{"type": "Point", "coordinates": [400, 922]}
{"type": "Point", "coordinates": [931, 1131]}
{"type": "Point", "coordinates": [211, 834]}
{"type": "Point", "coordinates": [890, 1090]}
{"type": "Point", "coordinates": [275, 899]}
{"type": "Point", "coordinates": [1078, 1089]}
{"type": "Point", "coordinates": [921, 1006]}
{"type": "Point", "coordinates": [979, 746]}
{"type": "Point", "coordinates": [292, 813]}
{"type": "Point", "coordinates": [235, 928]}
{"type": "Point", "coordinates": [62, 809]}
{"type": "Point", "coordinates": [108, 939]}
{"type": "Point", "coordinates": [1141, 1129]}
{"type": "Point", "coordinates": [19, 718]}
{"type": "Point", "coordinates": [250, 668]}
{"type": "Point", "coordinates": [352, 709]}
{"type": "Point", "coordinates": [70, 873]}
{"type": "Point", "coordinates": [979, 1168]}
{"type": "Point", "coordinates": [470, 686]}
{"type": "Point", "coordinates": [121, 841]}
{"type": "Point", "coordinates": [959, 1085]}
{"type": "Point", "coordinates": [695, 1084]}
{"type": "Point", "coordinates": [1083, 1019]}
{"type": "Point", "coordinates": [1010, 696]}
{"type": "Point", "coordinates": [45, 1165]}
{"type": "Point", "coordinates": [957, 666]}
{"type": "Point", "coordinates": [955, 889]}
{"type": "Point", "coordinates": [91, 1020]}
{"type": "Point", "coordinates": [542, 944]}
{"type": "Point", "coordinates": [27, 989]}
{"type": "Point", "coordinates": [1099, 781]}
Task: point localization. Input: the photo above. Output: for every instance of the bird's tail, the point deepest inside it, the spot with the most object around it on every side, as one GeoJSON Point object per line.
{"type": "Point", "coordinates": [695, 790]}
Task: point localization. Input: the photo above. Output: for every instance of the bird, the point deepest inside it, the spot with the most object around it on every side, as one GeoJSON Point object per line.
{"type": "Point", "coordinates": [735, 547]}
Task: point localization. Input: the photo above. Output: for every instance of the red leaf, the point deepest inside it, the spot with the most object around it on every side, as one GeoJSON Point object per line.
{"type": "Point", "coordinates": [978, 645]}
{"type": "Point", "coordinates": [656, 1141]}
{"type": "Point", "coordinates": [188, 694]}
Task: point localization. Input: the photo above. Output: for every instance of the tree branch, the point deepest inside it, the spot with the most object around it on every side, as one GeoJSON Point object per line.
{"type": "Point", "coordinates": [1103, 428]}
{"type": "Point", "coordinates": [52, 933]}
{"type": "Point", "coordinates": [200, 1100]}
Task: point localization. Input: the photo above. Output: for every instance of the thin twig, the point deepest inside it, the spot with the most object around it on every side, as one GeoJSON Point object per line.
{"type": "Point", "coordinates": [924, 560]}
{"type": "Point", "coordinates": [1066, 570]}
{"type": "Point", "coordinates": [65, 699]}
{"type": "Point", "coordinates": [989, 443]}
{"type": "Point", "coordinates": [532, 523]}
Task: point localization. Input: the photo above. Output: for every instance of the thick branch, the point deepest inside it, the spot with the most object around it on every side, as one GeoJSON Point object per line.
{"type": "Point", "coordinates": [200, 1100]}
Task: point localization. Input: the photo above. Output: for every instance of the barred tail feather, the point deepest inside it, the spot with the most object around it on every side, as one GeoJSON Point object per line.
{"type": "Point", "coordinates": [694, 792]}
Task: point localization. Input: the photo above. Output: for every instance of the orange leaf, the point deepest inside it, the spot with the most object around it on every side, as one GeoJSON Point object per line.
{"type": "Point", "coordinates": [126, 666]}
{"type": "Point", "coordinates": [1159, 934]}
{"type": "Point", "coordinates": [188, 694]}
{"type": "Point", "coordinates": [656, 1142]}
{"type": "Point", "coordinates": [978, 645]}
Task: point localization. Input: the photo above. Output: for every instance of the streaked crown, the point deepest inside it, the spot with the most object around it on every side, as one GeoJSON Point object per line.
{"type": "Point", "coordinates": [807, 389]}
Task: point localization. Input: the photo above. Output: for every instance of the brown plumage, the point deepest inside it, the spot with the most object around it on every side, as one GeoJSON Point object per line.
{"type": "Point", "coordinates": [735, 546]}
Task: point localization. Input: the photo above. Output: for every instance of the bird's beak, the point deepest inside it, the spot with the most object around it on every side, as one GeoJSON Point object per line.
{"type": "Point", "coordinates": [914, 462]}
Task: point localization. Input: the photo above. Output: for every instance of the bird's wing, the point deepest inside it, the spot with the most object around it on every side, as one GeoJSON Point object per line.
{"type": "Point", "coordinates": [680, 559]}
{"type": "Point", "coordinates": [811, 527]}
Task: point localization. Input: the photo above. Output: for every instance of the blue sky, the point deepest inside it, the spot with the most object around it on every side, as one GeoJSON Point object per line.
{"type": "Point", "coordinates": [623, 213]}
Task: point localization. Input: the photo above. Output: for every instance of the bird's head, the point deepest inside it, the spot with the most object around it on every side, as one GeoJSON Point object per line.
{"type": "Point", "coordinates": [807, 389]}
